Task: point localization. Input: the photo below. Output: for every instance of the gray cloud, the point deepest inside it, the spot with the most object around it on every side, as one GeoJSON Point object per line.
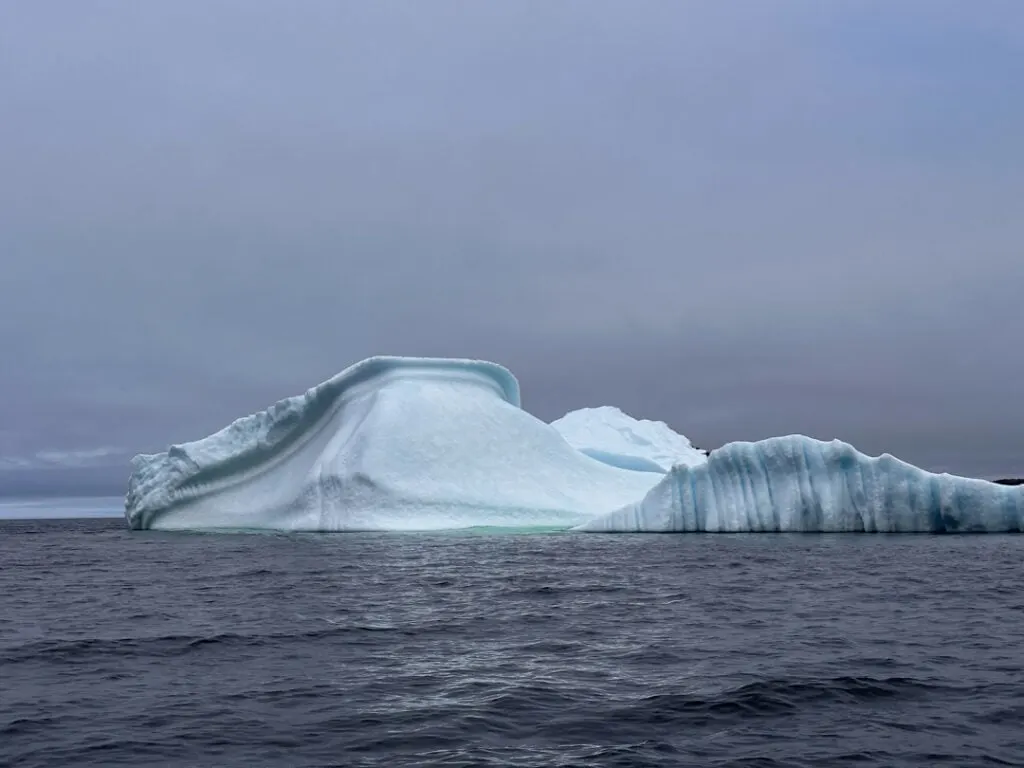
{"type": "Point", "coordinates": [744, 219]}
{"type": "Point", "coordinates": [61, 459]}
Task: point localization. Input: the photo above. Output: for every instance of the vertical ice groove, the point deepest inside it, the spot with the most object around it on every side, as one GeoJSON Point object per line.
{"type": "Point", "coordinates": [711, 509]}
{"type": "Point", "coordinates": [806, 492]}
{"type": "Point", "coordinates": [761, 483]}
{"type": "Point", "coordinates": [773, 507]}
{"type": "Point", "coordinates": [690, 511]}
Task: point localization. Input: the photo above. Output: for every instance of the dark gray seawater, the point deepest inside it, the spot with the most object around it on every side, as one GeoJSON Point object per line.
{"type": "Point", "coordinates": [121, 648]}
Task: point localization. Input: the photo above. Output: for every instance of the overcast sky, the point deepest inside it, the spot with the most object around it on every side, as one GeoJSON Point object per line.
{"type": "Point", "coordinates": [743, 218]}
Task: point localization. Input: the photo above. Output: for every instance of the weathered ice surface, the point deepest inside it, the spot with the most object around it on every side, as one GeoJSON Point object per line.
{"type": "Point", "coordinates": [796, 483]}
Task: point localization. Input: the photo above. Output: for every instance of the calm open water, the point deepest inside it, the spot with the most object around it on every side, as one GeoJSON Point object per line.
{"type": "Point", "coordinates": [121, 648]}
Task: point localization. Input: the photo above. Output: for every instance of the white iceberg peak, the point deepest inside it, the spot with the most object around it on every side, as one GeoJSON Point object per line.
{"type": "Point", "coordinates": [616, 438]}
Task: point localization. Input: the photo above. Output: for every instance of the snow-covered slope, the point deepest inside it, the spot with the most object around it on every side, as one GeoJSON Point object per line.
{"type": "Point", "coordinates": [615, 438]}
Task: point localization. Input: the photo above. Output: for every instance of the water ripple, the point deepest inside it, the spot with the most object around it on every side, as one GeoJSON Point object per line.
{"type": "Point", "coordinates": [491, 650]}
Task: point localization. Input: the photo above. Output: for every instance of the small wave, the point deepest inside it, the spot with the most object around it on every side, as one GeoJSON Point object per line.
{"type": "Point", "coordinates": [88, 649]}
{"type": "Point", "coordinates": [556, 590]}
{"type": "Point", "coordinates": [772, 697]}
{"type": "Point", "coordinates": [759, 699]}
{"type": "Point", "coordinates": [27, 726]}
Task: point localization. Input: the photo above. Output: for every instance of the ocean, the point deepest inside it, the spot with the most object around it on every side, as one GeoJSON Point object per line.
{"type": "Point", "coordinates": [496, 648]}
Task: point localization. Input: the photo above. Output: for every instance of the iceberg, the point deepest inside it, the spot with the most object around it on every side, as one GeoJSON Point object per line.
{"type": "Point", "coordinates": [388, 444]}
{"type": "Point", "coordinates": [615, 438]}
{"type": "Point", "coordinates": [796, 483]}
{"type": "Point", "coordinates": [406, 444]}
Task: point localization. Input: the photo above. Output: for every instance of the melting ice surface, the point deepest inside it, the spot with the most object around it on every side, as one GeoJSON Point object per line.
{"type": "Point", "coordinates": [421, 444]}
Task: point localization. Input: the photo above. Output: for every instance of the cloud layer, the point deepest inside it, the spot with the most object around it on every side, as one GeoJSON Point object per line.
{"type": "Point", "coordinates": [743, 219]}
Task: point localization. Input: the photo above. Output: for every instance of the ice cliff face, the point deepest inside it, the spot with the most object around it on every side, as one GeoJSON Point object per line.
{"type": "Point", "coordinates": [796, 483]}
{"type": "Point", "coordinates": [420, 444]}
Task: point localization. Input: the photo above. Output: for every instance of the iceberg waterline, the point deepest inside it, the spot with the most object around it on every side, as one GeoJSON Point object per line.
{"type": "Point", "coordinates": [423, 444]}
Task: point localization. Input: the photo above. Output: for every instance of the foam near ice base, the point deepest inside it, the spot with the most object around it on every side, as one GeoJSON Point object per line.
{"type": "Point", "coordinates": [388, 444]}
{"type": "Point", "coordinates": [615, 438]}
{"type": "Point", "coordinates": [796, 483]}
